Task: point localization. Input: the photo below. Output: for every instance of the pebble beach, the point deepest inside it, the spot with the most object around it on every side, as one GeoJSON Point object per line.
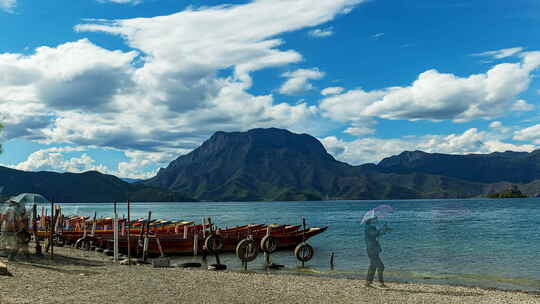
{"type": "Point", "coordinates": [86, 277]}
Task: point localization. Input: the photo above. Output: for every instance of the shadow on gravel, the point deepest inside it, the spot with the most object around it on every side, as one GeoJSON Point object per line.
{"type": "Point", "coordinates": [60, 260]}
{"type": "Point", "coordinates": [441, 293]}
{"type": "Point", "coordinates": [65, 271]}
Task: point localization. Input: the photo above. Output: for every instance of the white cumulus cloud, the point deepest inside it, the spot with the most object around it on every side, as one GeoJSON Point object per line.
{"type": "Point", "coordinates": [440, 96]}
{"type": "Point", "coordinates": [373, 150]}
{"type": "Point", "coordinates": [189, 77]}
{"type": "Point", "coordinates": [332, 91]}
{"type": "Point", "coordinates": [8, 5]}
{"type": "Point", "coordinates": [53, 159]}
{"type": "Point", "coordinates": [322, 33]}
{"type": "Point", "coordinates": [57, 159]}
{"type": "Point", "coordinates": [359, 131]}
{"type": "Point", "coordinates": [531, 133]}
{"type": "Point", "coordinates": [495, 125]}
{"type": "Point", "coordinates": [298, 81]}
{"type": "Point", "coordinates": [500, 54]}
{"type": "Point", "coordinates": [522, 105]}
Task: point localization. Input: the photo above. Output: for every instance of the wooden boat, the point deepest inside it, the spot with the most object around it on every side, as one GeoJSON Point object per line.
{"type": "Point", "coordinates": [175, 237]}
{"type": "Point", "coordinates": [174, 245]}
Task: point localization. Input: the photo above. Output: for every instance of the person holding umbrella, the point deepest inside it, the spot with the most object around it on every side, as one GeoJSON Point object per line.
{"type": "Point", "coordinates": [14, 226]}
{"type": "Point", "coordinates": [373, 247]}
{"type": "Point", "coordinates": [15, 222]}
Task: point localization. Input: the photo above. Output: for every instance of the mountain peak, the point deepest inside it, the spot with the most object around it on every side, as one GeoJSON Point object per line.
{"type": "Point", "coordinates": [508, 166]}
{"type": "Point", "coordinates": [239, 158]}
{"type": "Point", "coordinates": [260, 140]}
{"type": "Point", "coordinates": [405, 158]}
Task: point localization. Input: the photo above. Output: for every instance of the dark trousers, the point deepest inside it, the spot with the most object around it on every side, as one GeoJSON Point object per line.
{"type": "Point", "coordinates": [375, 265]}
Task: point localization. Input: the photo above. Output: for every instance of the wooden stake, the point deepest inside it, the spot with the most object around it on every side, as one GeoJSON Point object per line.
{"type": "Point", "coordinates": [195, 243]}
{"type": "Point", "coordinates": [146, 241]}
{"type": "Point", "coordinates": [51, 234]}
{"type": "Point", "coordinates": [94, 225]}
{"type": "Point", "coordinates": [304, 232]}
{"type": "Point", "coordinates": [115, 229]}
{"type": "Point", "coordinates": [58, 217]}
{"type": "Point", "coordinates": [203, 228]}
{"type": "Point", "coordinates": [129, 232]}
{"type": "Point", "coordinates": [161, 253]}
{"type": "Point", "coordinates": [332, 261]}
{"type": "Point", "coordinates": [35, 228]}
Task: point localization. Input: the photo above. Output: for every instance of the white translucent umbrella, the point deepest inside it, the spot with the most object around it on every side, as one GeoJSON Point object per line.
{"type": "Point", "coordinates": [378, 212]}
{"type": "Point", "coordinates": [30, 199]}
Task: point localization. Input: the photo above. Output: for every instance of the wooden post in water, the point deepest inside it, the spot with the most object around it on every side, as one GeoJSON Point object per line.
{"type": "Point", "coordinates": [303, 235]}
{"type": "Point", "coordinates": [94, 224]}
{"type": "Point", "coordinates": [332, 261]}
{"type": "Point", "coordinates": [195, 243]}
{"type": "Point", "coordinates": [203, 228]}
{"type": "Point", "coordinates": [146, 240]}
{"type": "Point", "coordinates": [304, 229]}
{"type": "Point", "coordinates": [35, 228]}
{"type": "Point", "coordinates": [57, 218]}
{"type": "Point", "coordinates": [62, 223]}
{"type": "Point", "coordinates": [267, 258]}
{"type": "Point", "coordinates": [129, 232]}
{"type": "Point", "coordinates": [51, 234]}
{"type": "Point", "coordinates": [115, 231]}
{"type": "Point", "coordinates": [161, 253]}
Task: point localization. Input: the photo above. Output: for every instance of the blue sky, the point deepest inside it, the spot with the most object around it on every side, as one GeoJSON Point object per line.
{"type": "Point", "coordinates": [125, 86]}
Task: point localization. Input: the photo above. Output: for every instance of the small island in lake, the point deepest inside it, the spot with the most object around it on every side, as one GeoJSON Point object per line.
{"type": "Point", "coordinates": [512, 192]}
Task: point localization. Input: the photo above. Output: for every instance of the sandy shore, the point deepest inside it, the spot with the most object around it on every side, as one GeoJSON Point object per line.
{"type": "Point", "coordinates": [80, 277]}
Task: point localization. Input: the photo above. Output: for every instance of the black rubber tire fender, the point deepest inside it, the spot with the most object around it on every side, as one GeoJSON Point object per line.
{"type": "Point", "coordinates": [79, 242]}
{"type": "Point", "coordinates": [190, 265]}
{"type": "Point", "coordinates": [86, 245]}
{"type": "Point", "coordinates": [269, 244]}
{"type": "Point", "coordinates": [217, 267]}
{"type": "Point", "coordinates": [304, 252]}
{"type": "Point", "coordinates": [213, 243]}
{"type": "Point", "coordinates": [247, 250]}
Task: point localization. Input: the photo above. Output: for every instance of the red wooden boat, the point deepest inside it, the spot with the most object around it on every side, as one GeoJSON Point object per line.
{"type": "Point", "coordinates": [174, 245]}
{"type": "Point", "coordinates": [175, 237]}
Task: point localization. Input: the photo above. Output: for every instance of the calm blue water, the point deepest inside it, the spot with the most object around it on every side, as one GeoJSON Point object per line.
{"type": "Point", "coordinates": [488, 243]}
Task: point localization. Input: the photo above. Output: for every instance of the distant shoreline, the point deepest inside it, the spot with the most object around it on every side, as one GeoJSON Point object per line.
{"type": "Point", "coordinates": [321, 201]}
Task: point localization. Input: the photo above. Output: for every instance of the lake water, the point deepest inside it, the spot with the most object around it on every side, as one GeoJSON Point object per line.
{"type": "Point", "coordinates": [481, 242]}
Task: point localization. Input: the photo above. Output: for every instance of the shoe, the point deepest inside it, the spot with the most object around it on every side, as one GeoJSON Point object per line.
{"type": "Point", "coordinates": [368, 285]}
{"type": "Point", "coordinates": [382, 285]}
